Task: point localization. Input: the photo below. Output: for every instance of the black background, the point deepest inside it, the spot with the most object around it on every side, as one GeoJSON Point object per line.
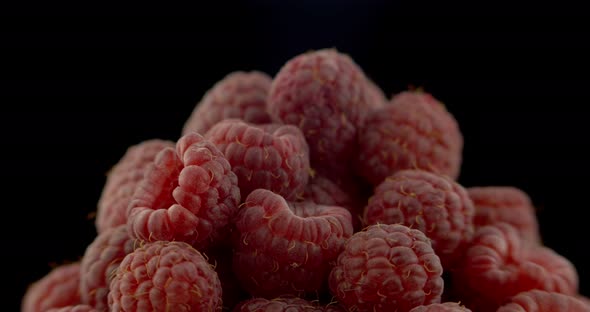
{"type": "Point", "coordinates": [77, 91]}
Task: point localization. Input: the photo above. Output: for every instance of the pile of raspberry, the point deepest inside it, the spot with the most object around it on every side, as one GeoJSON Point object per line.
{"type": "Point", "coordinates": [309, 191]}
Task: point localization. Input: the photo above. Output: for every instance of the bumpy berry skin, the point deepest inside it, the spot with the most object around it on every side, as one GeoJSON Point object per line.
{"type": "Point", "coordinates": [165, 276]}
{"type": "Point", "coordinates": [273, 157]}
{"type": "Point", "coordinates": [122, 181]}
{"type": "Point", "coordinates": [187, 195]}
{"type": "Point", "coordinates": [414, 131]}
{"type": "Point", "coordinates": [74, 308]}
{"type": "Point", "coordinates": [543, 301]}
{"type": "Point", "coordinates": [441, 307]}
{"type": "Point", "coordinates": [498, 265]}
{"type": "Point", "coordinates": [99, 264]}
{"type": "Point", "coordinates": [374, 96]}
{"type": "Point", "coordinates": [238, 95]}
{"type": "Point", "coordinates": [57, 289]}
{"type": "Point", "coordinates": [431, 203]}
{"type": "Point", "coordinates": [495, 204]}
{"type": "Point", "coordinates": [323, 93]}
{"type": "Point", "coordinates": [282, 248]}
{"type": "Point", "coordinates": [387, 267]}
{"type": "Point", "coordinates": [287, 304]}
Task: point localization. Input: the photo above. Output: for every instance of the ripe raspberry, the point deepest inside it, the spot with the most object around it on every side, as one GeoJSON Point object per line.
{"type": "Point", "coordinates": [288, 304]}
{"type": "Point", "coordinates": [74, 308]}
{"type": "Point", "coordinates": [272, 157]}
{"type": "Point", "coordinates": [99, 264]}
{"type": "Point", "coordinates": [498, 266]}
{"type": "Point", "coordinates": [57, 289]}
{"type": "Point", "coordinates": [375, 96]}
{"type": "Point", "coordinates": [165, 276]}
{"type": "Point", "coordinates": [387, 267]}
{"type": "Point", "coordinates": [543, 301]}
{"type": "Point", "coordinates": [441, 307]}
{"type": "Point", "coordinates": [324, 94]}
{"type": "Point", "coordinates": [187, 195]}
{"type": "Point", "coordinates": [122, 181]}
{"type": "Point", "coordinates": [433, 204]}
{"type": "Point", "coordinates": [505, 204]}
{"type": "Point", "coordinates": [414, 131]}
{"type": "Point", "coordinates": [282, 248]}
{"type": "Point", "coordinates": [238, 95]}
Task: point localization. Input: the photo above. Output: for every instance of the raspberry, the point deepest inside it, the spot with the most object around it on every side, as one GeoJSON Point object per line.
{"type": "Point", "coordinates": [272, 157]}
{"type": "Point", "coordinates": [99, 264]}
{"type": "Point", "coordinates": [387, 267]}
{"type": "Point", "coordinates": [441, 307]}
{"type": "Point", "coordinates": [498, 265]}
{"type": "Point", "coordinates": [277, 305]}
{"type": "Point", "coordinates": [165, 276]}
{"type": "Point", "coordinates": [187, 195]}
{"type": "Point", "coordinates": [324, 94]}
{"type": "Point", "coordinates": [413, 132]}
{"type": "Point", "coordinates": [239, 95]}
{"type": "Point", "coordinates": [57, 289]}
{"type": "Point", "coordinates": [74, 308]}
{"type": "Point", "coordinates": [375, 96]}
{"type": "Point", "coordinates": [505, 204]}
{"type": "Point", "coordinates": [433, 204]}
{"type": "Point", "coordinates": [122, 181]}
{"type": "Point", "coordinates": [282, 248]}
{"type": "Point", "coordinates": [543, 301]}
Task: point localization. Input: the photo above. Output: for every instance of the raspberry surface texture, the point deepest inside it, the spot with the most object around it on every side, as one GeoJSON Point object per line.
{"type": "Point", "coordinates": [188, 194]}
{"type": "Point", "coordinates": [441, 307]}
{"type": "Point", "coordinates": [414, 131]}
{"type": "Point", "coordinates": [323, 93]}
{"type": "Point", "coordinates": [74, 308]}
{"type": "Point", "coordinates": [431, 203]}
{"type": "Point", "coordinates": [122, 181]}
{"type": "Point", "coordinates": [505, 204]}
{"type": "Point", "coordinates": [498, 265]}
{"type": "Point", "coordinates": [375, 96]}
{"type": "Point", "coordinates": [273, 157]}
{"type": "Point", "coordinates": [543, 301]}
{"type": "Point", "coordinates": [59, 288]}
{"type": "Point", "coordinates": [239, 95]}
{"type": "Point", "coordinates": [282, 248]}
{"type": "Point", "coordinates": [165, 276]}
{"type": "Point", "coordinates": [287, 304]}
{"type": "Point", "coordinates": [100, 263]}
{"type": "Point", "coordinates": [387, 268]}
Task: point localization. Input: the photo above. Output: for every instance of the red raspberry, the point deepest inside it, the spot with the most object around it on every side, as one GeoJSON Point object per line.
{"type": "Point", "coordinates": [283, 248]}
{"type": "Point", "coordinates": [165, 276]}
{"type": "Point", "coordinates": [187, 195]}
{"type": "Point", "coordinates": [122, 181]}
{"type": "Point", "coordinates": [99, 264]}
{"type": "Point", "coordinates": [543, 301]}
{"type": "Point", "coordinates": [498, 266]}
{"type": "Point", "coordinates": [433, 204]}
{"type": "Point", "coordinates": [324, 94]}
{"type": "Point", "coordinates": [505, 204]}
{"type": "Point", "coordinates": [57, 289]}
{"type": "Point", "coordinates": [277, 305]}
{"type": "Point", "coordinates": [441, 307]}
{"type": "Point", "coordinates": [272, 157]}
{"type": "Point", "coordinates": [74, 308]}
{"type": "Point", "coordinates": [375, 96]}
{"type": "Point", "coordinates": [387, 268]}
{"type": "Point", "coordinates": [413, 132]}
{"type": "Point", "coordinates": [238, 95]}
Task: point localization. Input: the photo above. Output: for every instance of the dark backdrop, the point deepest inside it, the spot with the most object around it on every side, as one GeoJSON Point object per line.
{"type": "Point", "coordinates": [76, 92]}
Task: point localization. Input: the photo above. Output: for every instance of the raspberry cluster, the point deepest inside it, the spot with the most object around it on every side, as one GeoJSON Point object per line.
{"type": "Point", "coordinates": [309, 191]}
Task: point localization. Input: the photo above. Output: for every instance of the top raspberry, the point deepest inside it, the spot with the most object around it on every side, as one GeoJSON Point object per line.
{"type": "Point", "coordinates": [239, 95]}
